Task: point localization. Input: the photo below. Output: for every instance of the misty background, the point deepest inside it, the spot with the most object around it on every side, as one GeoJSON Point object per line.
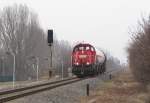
{"type": "Point", "coordinates": [23, 40]}
{"type": "Point", "coordinates": [102, 23]}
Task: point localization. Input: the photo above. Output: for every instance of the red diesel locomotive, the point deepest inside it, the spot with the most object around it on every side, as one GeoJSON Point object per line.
{"type": "Point", "coordinates": [86, 60]}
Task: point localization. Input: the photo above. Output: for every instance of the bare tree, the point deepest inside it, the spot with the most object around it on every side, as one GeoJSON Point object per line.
{"type": "Point", "coordinates": [62, 56]}
{"type": "Point", "coordinates": [21, 36]}
{"type": "Point", "coordinates": [139, 53]}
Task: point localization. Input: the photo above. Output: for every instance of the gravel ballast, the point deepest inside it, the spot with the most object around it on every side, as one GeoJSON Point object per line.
{"type": "Point", "coordinates": [66, 94]}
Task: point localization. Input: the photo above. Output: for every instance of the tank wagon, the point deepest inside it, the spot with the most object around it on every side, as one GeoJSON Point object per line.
{"type": "Point", "coordinates": [87, 60]}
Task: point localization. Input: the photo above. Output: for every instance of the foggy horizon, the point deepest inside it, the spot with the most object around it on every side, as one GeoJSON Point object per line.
{"type": "Point", "coordinates": [105, 24]}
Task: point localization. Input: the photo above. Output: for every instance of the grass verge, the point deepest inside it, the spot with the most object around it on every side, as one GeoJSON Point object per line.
{"type": "Point", "coordinates": [121, 89]}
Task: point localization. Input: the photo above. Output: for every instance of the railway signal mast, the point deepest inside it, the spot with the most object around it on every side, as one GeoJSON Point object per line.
{"type": "Point", "coordinates": [50, 44]}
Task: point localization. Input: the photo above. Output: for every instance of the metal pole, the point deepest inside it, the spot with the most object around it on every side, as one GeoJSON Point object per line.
{"type": "Point", "coordinates": [14, 66]}
{"type": "Point", "coordinates": [51, 55]}
{"type": "Point", "coordinates": [1, 64]}
{"type": "Point", "coordinates": [3, 71]}
{"type": "Point", "coordinates": [71, 61]}
{"type": "Point", "coordinates": [50, 61]}
{"type": "Point", "coordinates": [3, 67]}
{"type": "Point", "coordinates": [62, 69]}
{"type": "Point", "coordinates": [37, 69]}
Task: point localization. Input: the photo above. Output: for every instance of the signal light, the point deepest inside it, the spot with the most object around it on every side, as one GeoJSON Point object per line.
{"type": "Point", "coordinates": [50, 36]}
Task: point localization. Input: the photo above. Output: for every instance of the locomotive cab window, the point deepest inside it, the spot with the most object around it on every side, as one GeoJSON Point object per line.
{"type": "Point", "coordinates": [75, 49]}
{"type": "Point", "coordinates": [81, 48]}
{"type": "Point", "coordinates": [92, 49]}
{"type": "Point", "coordinates": [87, 48]}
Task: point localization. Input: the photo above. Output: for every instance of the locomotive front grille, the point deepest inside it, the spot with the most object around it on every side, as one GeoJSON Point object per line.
{"type": "Point", "coordinates": [82, 56]}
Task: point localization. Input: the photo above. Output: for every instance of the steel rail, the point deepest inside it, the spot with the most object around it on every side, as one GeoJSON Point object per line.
{"type": "Point", "coordinates": [25, 91]}
{"type": "Point", "coordinates": [12, 94]}
{"type": "Point", "coordinates": [30, 87]}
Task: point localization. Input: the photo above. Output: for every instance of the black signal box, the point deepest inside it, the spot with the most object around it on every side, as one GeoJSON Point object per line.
{"type": "Point", "coordinates": [50, 36]}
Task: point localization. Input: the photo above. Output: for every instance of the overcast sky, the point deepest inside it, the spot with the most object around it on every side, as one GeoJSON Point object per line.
{"type": "Point", "coordinates": [103, 23]}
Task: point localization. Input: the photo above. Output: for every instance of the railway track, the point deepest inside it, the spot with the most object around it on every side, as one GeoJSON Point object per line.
{"type": "Point", "coordinates": [9, 95]}
{"type": "Point", "coordinates": [25, 91]}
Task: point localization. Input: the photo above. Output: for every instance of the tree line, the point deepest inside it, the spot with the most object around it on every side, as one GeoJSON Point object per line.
{"type": "Point", "coordinates": [22, 38]}
{"type": "Point", "coordinates": [139, 52]}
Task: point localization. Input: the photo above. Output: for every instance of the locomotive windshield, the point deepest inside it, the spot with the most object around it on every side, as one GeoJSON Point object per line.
{"type": "Point", "coordinates": [83, 48]}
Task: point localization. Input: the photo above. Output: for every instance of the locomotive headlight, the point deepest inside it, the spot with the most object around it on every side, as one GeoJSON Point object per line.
{"type": "Point", "coordinates": [77, 63]}
{"type": "Point", "coordinates": [87, 63]}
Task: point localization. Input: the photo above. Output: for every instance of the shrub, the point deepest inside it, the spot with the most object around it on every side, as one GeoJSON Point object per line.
{"type": "Point", "coordinates": [139, 53]}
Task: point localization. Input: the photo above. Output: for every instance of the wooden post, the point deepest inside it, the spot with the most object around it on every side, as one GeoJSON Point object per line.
{"type": "Point", "coordinates": [110, 76]}
{"type": "Point", "coordinates": [50, 73]}
{"type": "Point", "coordinates": [87, 89]}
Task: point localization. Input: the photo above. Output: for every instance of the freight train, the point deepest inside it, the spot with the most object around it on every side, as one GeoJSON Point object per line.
{"type": "Point", "coordinates": [87, 60]}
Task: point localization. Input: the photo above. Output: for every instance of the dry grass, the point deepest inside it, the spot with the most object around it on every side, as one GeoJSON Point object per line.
{"type": "Point", "coordinates": [122, 89]}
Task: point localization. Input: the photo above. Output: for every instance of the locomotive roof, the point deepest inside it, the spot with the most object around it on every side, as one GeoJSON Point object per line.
{"type": "Point", "coordinates": [83, 44]}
